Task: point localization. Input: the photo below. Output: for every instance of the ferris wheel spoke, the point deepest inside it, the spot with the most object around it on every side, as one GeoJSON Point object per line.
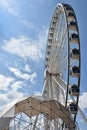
{"type": "Point", "coordinates": [56, 34]}
{"type": "Point", "coordinates": [62, 70]}
{"type": "Point", "coordinates": [58, 27]}
{"type": "Point", "coordinates": [62, 89]}
{"type": "Point", "coordinates": [61, 45]}
{"type": "Point", "coordinates": [60, 49]}
{"type": "Point", "coordinates": [60, 82]}
{"type": "Point", "coordinates": [60, 63]}
{"type": "Point", "coordinates": [65, 67]}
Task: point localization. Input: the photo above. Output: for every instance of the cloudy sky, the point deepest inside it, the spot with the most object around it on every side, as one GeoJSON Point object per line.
{"type": "Point", "coordinates": [23, 33]}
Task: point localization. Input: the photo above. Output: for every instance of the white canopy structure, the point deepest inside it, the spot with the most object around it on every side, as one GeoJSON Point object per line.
{"type": "Point", "coordinates": [33, 106]}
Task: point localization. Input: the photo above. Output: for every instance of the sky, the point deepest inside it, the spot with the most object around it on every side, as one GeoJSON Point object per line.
{"type": "Point", "coordinates": [23, 33]}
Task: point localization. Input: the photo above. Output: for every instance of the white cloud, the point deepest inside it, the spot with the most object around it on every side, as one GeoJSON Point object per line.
{"type": "Point", "coordinates": [26, 48]}
{"type": "Point", "coordinates": [10, 94]}
{"type": "Point", "coordinates": [5, 81]}
{"type": "Point", "coordinates": [16, 46]}
{"type": "Point", "coordinates": [27, 68]}
{"type": "Point", "coordinates": [19, 74]}
{"type": "Point", "coordinates": [25, 76]}
{"type": "Point", "coordinates": [11, 86]}
{"type": "Point", "coordinates": [9, 97]}
{"type": "Point", "coordinates": [3, 100]}
{"type": "Point", "coordinates": [33, 77]}
{"type": "Point", "coordinates": [83, 101]}
{"type": "Point", "coordinates": [11, 7]}
{"type": "Point", "coordinates": [13, 95]}
{"type": "Point", "coordinates": [29, 24]}
{"type": "Point", "coordinates": [16, 85]}
{"type": "Point", "coordinates": [8, 5]}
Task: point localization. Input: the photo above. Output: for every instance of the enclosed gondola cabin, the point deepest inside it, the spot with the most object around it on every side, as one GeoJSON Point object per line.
{"type": "Point", "coordinates": [73, 108]}
{"type": "Point", "coordinates": [74, 38]}
{"type": "Point", "coordinates": [75, 54]}
{"type": "Point", "coordinates": [70, 16]}
{"type": "Point", "coordinates": [73, 26]}
{"type": "Point", "coordinates": [74, 90]}
{"type": "Point", "coordinates": [75, 71]}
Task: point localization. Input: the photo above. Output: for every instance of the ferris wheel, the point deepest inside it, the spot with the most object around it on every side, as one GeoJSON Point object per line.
{"type": "Point", "coordinates": [57, 107]}
{"type": "Point", "coordinates": [62, 60]}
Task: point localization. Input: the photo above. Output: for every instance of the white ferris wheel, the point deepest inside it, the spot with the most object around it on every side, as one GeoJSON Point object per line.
{"type": "Point", "coordinates": [62, 60]}
{"type": "Point", "coordinates": [57, 107]}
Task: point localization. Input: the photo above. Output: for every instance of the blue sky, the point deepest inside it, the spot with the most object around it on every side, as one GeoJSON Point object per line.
{"type": "Point", "coordinates": [23, 33]}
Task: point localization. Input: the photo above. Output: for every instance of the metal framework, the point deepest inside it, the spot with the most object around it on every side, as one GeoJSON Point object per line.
{"type": "Point", "coordinates": [35, 113]}
{"type": "Point", "coordinates": [57, 107]}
